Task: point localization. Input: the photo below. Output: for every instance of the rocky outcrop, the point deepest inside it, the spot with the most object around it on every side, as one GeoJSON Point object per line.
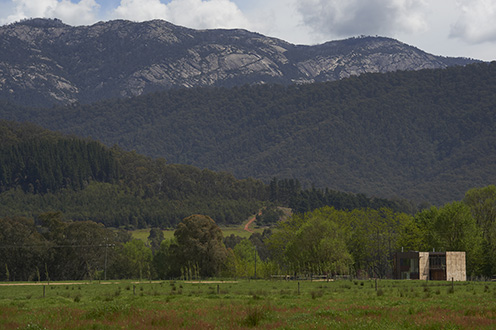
{"type": "Point", "coordinates": [43, 62]}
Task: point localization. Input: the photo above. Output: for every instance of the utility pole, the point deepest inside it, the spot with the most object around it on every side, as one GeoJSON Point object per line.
{"type": "Point", "coordinates": [105, 265]}
{"type": "Point", "coordinates": [106, 257]}
{"type": "Point", "coordinates": [255, 249]}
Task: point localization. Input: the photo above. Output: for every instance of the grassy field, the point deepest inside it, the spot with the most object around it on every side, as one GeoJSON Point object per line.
{"type": "Point", "coordinates": [143, 234]}
{"type": "Point", "coordinates": [250, 304]}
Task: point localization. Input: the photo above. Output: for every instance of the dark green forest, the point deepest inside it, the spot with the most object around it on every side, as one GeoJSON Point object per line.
{"type": "Point", "coordinates": [43, 171]}
{"type": "Point", "coordinates": [49, 166]}
{"type": "Point", "coordinates": [425, 136]}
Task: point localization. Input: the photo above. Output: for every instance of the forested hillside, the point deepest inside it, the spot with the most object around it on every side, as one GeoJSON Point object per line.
{"type": "Point", "coordinates": [42, 171]}
{"type": "Point", "coordinates": [426, 136]}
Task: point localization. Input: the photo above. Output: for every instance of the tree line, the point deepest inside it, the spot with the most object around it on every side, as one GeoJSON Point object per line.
{"type": "Point", "coordinates": [43, 166]}
{"type": "Point", "coordinates": [359, 242]}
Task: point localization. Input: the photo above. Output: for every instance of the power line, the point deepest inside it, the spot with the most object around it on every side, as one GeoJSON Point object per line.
{"type": "Point", "coordinates": [14, 246]}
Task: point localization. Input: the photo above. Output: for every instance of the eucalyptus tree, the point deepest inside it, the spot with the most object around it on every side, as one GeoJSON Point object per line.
{"type": "Point", "coordinates": [375, 235]}
{"type": "Point", "coordinates": [200, 245]}
{"type": "Point", "coordinates": [314, 242]}
{"type": "Point", "coordinates": [453, 228]}
{"type": "Point", "coordinates": [482, 204]}
{"type": "Point", "coordinates": [23, 251]}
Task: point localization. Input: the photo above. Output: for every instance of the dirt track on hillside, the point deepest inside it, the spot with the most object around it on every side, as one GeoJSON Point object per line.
{"type": "Point", "coordinates": [252, 220]}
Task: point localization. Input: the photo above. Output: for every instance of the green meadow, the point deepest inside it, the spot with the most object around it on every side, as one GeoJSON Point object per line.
{"type": "Point", "coordinates": [143, 234]}
{"type": "Point", "coordinates": [245, 304]}
{"type": "Point", "coordinates": [238, 230]}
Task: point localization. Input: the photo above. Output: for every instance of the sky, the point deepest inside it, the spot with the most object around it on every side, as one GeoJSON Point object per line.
{"type": "Point", "coordinates": [465, 28]}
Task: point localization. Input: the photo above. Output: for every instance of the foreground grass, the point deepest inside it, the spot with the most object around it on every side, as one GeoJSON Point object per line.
{"type": "Point", "coordinates": [250, 304]}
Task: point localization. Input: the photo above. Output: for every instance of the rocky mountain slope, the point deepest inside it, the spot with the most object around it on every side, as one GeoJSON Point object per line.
{"type": "Point", "coordinates": [43, 62]}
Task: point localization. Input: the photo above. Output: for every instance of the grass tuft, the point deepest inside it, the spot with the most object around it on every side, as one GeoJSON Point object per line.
{"type": "Point", "coordinates": [317, 294]}
{"type": "Point", "coordinates": [254, 316]}
{"type": "Point", "coordinates": [106, 311]}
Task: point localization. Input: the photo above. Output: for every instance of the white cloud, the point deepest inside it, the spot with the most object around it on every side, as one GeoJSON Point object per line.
{"type": "Point", "coordinates": [278, 18]}
{"type": "Point", "coordinates": [140, 10]}
{"type": "Point", "coordinates": [198, 14]}
{"type": "Point", "coordinates": [476, 23]}
{"type": "Point", "coordinates": [190, 13]}
{"type": "Point", "coordinates": [82, 12]}
{"type": "Point", "coordinates": [207, 14]}
{"type": "Point", "coordinates": [355, 17]}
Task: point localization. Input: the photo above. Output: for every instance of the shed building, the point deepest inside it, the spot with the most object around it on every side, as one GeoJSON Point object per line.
{"type": "Point", "coordinates": [436, 266]}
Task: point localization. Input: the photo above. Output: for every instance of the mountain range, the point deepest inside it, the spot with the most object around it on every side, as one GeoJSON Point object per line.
{"type": "Point", "coordinates": [364, 115]}
{"type": "Point", "coordinates": [45, 62]}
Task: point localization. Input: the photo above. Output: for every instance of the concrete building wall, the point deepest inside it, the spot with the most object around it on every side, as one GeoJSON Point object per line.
{"type": "Point", "coordinates": [455, 266]}
{"type": "Point", "coordinates": [431, 265]}
{"type": "Point", "coordinates": [423, 265]}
